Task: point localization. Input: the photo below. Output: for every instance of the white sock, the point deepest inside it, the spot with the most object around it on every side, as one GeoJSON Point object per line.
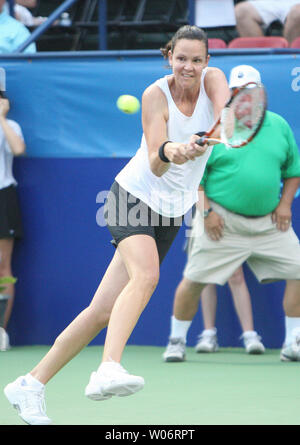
{"type": "Point", "coordinates": [211, 331]}
{"type": "Point", "coordinates": [249, 334]}
{"type": "Point", "coordinates": [108, 365]}
{"type": "Point", "coordinates": [179, 328]}
{"type": "Point", "coordinates": [32, 381]}
{"type": "Point", "coordinates": [292, 325]}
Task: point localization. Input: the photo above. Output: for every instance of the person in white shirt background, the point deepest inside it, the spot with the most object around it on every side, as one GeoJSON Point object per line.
{"type": "Point", "coordinates": [253, 17]}
{"type": "Point", "coordinates": [11, 144]}
{"type": "Point", "coordinates": [24, 15]}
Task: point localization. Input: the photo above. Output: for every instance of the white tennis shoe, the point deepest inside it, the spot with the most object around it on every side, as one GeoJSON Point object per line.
{"type": "Point", "coordinates": [291, 352]}
{"type": "Point", "coordinates": [112, 379]}
{"type": "Point", "coordinates": [207, 341]}
{"type": "Point", "coordinates": [28, 401]}
{"type": "Point", "coordinates": [252, 343]}
{"type": "Point", "coordinates": [175, 351]}
{"type": "Point", "coordinates": [4, 340]}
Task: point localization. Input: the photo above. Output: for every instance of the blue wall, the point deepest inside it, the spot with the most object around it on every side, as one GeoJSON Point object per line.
{"type": "Point", "coordinates": [77, 141]}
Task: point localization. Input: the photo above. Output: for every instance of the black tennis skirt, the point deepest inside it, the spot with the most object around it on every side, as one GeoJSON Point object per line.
{"type": "Point", "coordinates": [10, 215]}
{"type": "Point", "coordinates": [118, 210]}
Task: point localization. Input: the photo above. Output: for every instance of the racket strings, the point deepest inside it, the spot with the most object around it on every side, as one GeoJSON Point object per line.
{"type": "Point", "coordinates": [242, 118]}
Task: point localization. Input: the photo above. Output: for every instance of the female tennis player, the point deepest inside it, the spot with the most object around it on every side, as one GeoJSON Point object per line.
{"type": "Point", "coordinates": [162, 179]}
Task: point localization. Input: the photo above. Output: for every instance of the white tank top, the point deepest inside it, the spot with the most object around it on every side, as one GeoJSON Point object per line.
{"type": "Point", "coordinates": [175, 192]}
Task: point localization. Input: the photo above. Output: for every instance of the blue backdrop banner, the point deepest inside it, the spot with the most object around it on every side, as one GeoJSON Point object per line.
{"type": "Point", "coordinates": [67, 105]}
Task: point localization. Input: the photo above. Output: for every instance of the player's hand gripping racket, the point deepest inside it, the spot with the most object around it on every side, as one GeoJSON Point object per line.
{"type": "Point", "coordinates": [241, 119]}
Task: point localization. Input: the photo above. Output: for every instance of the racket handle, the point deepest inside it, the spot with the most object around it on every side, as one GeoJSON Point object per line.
{"type": "Point", "coordinates": [201, 141]}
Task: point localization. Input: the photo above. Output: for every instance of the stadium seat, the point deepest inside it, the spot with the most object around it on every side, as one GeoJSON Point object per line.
{"type": "Point", "coordinates": [259, 42]}
{"type": "Point", "coordinates": [216, 43]}
{"type": "Point", "coordinates": [295, 43]}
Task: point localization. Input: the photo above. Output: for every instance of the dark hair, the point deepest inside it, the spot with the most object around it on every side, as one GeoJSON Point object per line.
{"type": "Point", "coordinates": [2, 95]}
{"type": "Point", "coordinates": [190, 32]}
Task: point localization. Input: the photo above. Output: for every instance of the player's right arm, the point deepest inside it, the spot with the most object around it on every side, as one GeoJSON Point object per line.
{"type": "Point", "coordinates": [155, 116]}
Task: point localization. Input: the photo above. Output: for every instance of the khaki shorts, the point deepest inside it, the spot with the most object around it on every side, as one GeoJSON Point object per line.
{"type": "Point", "coordinates": [271, 11]}
{"type": "Point", "coordinates": [272, 255]}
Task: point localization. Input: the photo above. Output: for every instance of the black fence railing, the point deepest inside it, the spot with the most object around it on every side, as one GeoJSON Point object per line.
{"type": "Point", "coordinates": [141, 19]}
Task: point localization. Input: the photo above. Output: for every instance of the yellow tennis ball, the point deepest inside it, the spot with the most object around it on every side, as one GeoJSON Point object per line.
{"type": "Point", "coordinates": [128, 104]}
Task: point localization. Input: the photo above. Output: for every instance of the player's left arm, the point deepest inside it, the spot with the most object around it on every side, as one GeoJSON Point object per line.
{"type": "Point", "coordinates": [217, 90]}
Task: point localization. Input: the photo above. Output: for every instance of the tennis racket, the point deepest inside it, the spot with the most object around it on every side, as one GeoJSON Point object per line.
{"type": "Point", "coordinates": [241, 118]}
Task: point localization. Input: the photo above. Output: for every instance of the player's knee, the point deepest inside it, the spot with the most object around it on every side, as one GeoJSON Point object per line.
{"type": "Point", "coordinates": [147, 280]}
{"type": "Point", "coordinates": [98, 318]}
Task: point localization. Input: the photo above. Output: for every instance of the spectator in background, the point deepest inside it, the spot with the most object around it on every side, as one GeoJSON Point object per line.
{"type": "Point", "coordinates": [23, 15]}
{"type": "Point", "coordinates": [207, 341]}
{"type": "Point", "coordinates": [253, 17]}
{"type": "Point", "coordinates": [27, 3]}
{"type": "Point", "coordinates": [12, 33]}
{"type": "Point", "coordinates": [11, 144]}
{"type": "Point", "coordinates": [242, 191]}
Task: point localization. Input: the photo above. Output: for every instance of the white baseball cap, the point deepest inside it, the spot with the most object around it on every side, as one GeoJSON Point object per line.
{"type": "Point", "coordinates": [242, 74]}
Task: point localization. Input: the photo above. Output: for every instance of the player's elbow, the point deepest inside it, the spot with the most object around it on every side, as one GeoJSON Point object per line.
{"type": "Point", "coordinates": [157, 172]}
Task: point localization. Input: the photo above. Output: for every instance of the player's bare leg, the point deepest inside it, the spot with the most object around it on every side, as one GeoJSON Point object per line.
{"type": "Point", "coordinates": [26, 393]}
{"type": "Point", "coordinates": [140, 256]}
{"type": "Point", "coordinates": [86, 325]}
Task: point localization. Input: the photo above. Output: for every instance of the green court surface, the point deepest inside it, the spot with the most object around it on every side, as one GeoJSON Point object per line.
{"type": "Point", "coordinates": [225, 388]}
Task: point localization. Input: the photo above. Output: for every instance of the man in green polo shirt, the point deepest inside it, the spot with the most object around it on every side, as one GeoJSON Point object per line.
{"type": "Point", "coordinates": [246, 219]}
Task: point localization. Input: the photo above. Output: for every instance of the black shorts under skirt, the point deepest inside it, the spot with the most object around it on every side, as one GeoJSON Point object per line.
{"type": "Point", "coordinates": [127, 215]}
{"type": "Point", "coordinates": [10, 215]}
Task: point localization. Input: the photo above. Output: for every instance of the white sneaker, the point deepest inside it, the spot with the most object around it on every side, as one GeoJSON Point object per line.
{"type": "Point", "coordinates": [4, 340]}
{"type": "Point", "coordinates": [112, 379]}
{"type": "Point", "coordinates": [175, 351]}
{"type": "Point", "coordinates": [252, 343]}
{"type": "Point", "coordinates": [207, 341]}
{"type": "Point", "coordinates": [28, 401]}
{"type": "Point", "coordinates": [291, 352]}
